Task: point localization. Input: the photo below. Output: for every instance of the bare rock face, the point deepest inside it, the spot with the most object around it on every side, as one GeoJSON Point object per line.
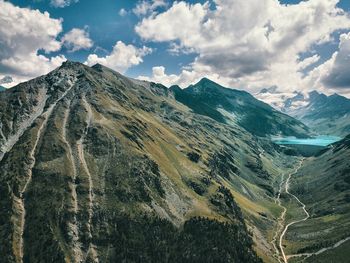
{"type": "Point", "coordinates": [96, 167]}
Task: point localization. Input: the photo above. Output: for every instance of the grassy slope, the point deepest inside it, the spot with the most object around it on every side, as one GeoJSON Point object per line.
{"type": "Point", "coordinates": [323, 185]}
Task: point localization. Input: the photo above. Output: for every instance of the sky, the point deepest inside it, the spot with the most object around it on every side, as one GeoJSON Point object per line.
{"type": "Point", "coordinates": [242, 44]}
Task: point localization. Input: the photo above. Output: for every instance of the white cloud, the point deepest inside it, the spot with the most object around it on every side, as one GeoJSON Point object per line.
{"type": "Point", "coordinates": [176, 49]}
{"type": "Point", "coordinates": [77, 39]}
{"type": "Point", "coordinates": [170, 25]}
{"type": "Point", "coordinates": [23, 32]}
{"type": "Point", "coordinates": [251, 43]}
{"type": "Point", "coordinates": [334, 74]}
{"type": "Point", "coordinates": [121, 58]}
{"type": "Point", "coordinates": [308, 61]}
{"type": "Point", "coordinates": [123, 12]}
{"type": "Point", "coordinates": [338, 75]}
{"type": "Point", "coordinates": [146, 7]}
{"type": "Point", "coordinates": [159, 76]}
{"type": "Point", "coordinates": [62, 3]}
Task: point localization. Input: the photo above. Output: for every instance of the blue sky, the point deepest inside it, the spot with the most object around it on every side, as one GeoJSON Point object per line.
{"type": "Point", "coordinates": [106, 27]}
{"type": "Point", "coordinates": [240, 60]}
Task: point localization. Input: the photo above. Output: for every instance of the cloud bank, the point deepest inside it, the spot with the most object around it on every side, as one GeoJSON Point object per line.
{"type": "Point", "coordinates": [250, 44]}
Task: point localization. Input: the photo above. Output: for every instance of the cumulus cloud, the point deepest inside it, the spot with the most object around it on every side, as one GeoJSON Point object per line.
{"type": "Point", "coordinates": [121, 58]}
{"type": "Point", "coordinates": [77, 39]}
{"type": "Point", "coordinates": [158, 75]}
{"type": "Point", "coordinates": [251, 43]}
{"type": "Point", "coordinates": [23, 33]}
{"type": "Point", "coordinates": [62, 3]}
{"type": "Point", "coordinates": [306, 62]}
{"type": "Point", "coordinates": [169, 25]}
{"type": "Point", "coordinates": [338, 75]}
{"type": "Point", "coordinates": [146, 7]}
{"type": "Point", "coordinates": [123, 12]}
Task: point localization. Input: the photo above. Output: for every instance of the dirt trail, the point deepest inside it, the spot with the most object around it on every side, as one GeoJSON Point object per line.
{"type": "Point", "coordinates": [279, 220]}
{"type": "Point", "coordinates": [285, 260]}
{"type": "Point", "coordinates": [284, 186]}
{"type": "Point", "coordinates": [279, 252]}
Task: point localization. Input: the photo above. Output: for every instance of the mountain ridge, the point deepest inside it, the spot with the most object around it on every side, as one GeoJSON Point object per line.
{"type": "Point", "coordinates": [229, 105]}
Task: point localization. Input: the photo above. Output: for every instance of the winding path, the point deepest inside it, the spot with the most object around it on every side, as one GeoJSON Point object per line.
{"type": "Point", "coordinates": [279, 251]}
{"type": "Point", "coordinates": [279, 220]}
{"type": "Point", "coordinates": [307, 215]}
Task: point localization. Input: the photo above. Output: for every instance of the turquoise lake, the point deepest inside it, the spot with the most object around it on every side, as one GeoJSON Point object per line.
{"type": "Point", "coordinates": [315, 141]}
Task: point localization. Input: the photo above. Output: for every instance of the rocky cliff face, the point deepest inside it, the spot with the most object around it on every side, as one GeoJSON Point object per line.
{"type": "Point", "coordinates": [96, 167]}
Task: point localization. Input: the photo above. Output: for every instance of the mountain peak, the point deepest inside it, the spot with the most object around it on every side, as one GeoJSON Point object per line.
{"type": "Point", "coordinates": [175, 88]}
{"type": "Point", "coordinates": [71, 64]}
{"type": "Point", "coordinates": [204, 85]}
{"type": "Point", "coordinates": [272, 89]}
{"type": "Point", "coordinates": [314, 93]}
{"type": "Point", "coordinates": [205, 82]}
{"type": "Point", "coordinates": [99, 67]}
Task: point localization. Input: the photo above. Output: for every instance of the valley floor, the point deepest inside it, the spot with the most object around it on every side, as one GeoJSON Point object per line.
{"type": "Point", "coordinates": [293, 212]}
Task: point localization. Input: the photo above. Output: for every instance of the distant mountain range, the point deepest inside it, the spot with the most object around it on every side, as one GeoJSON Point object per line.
{"type": "Point", "coordinates": [2, 88]}
{"type": "Point", "coordinates": [326, 115]}
{"type": "Point", "coordinates": [235, 106]}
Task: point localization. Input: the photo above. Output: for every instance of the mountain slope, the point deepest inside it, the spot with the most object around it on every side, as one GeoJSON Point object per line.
{"type": "Point", "coordinates": [93, 164]}
{"type": "Point", "coordinates": [323, 184]}
{"type": "Point", "coordinates": [233, 106]}
{"type": "Point", "coordinates": [2, 88]}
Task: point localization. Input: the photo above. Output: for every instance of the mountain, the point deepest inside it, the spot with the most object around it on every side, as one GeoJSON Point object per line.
{"type": "Point", "coordinates": [326, 115]}
{"type": "Point", "coordinates": [99, 167]}
{"type": "Point", "coordinates": [323, 184]}
{"type": "Point", "coordinates": [234, 106]}
{"type": "Point", "coordinates": [2, 88]}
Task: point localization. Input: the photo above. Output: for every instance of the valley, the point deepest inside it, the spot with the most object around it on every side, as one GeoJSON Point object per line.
{"type": "Point", "coordinates": [283, 224]}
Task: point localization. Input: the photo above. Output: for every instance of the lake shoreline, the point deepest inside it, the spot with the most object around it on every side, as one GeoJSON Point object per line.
{"type": "Point", "coordinates": [322, 140]}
